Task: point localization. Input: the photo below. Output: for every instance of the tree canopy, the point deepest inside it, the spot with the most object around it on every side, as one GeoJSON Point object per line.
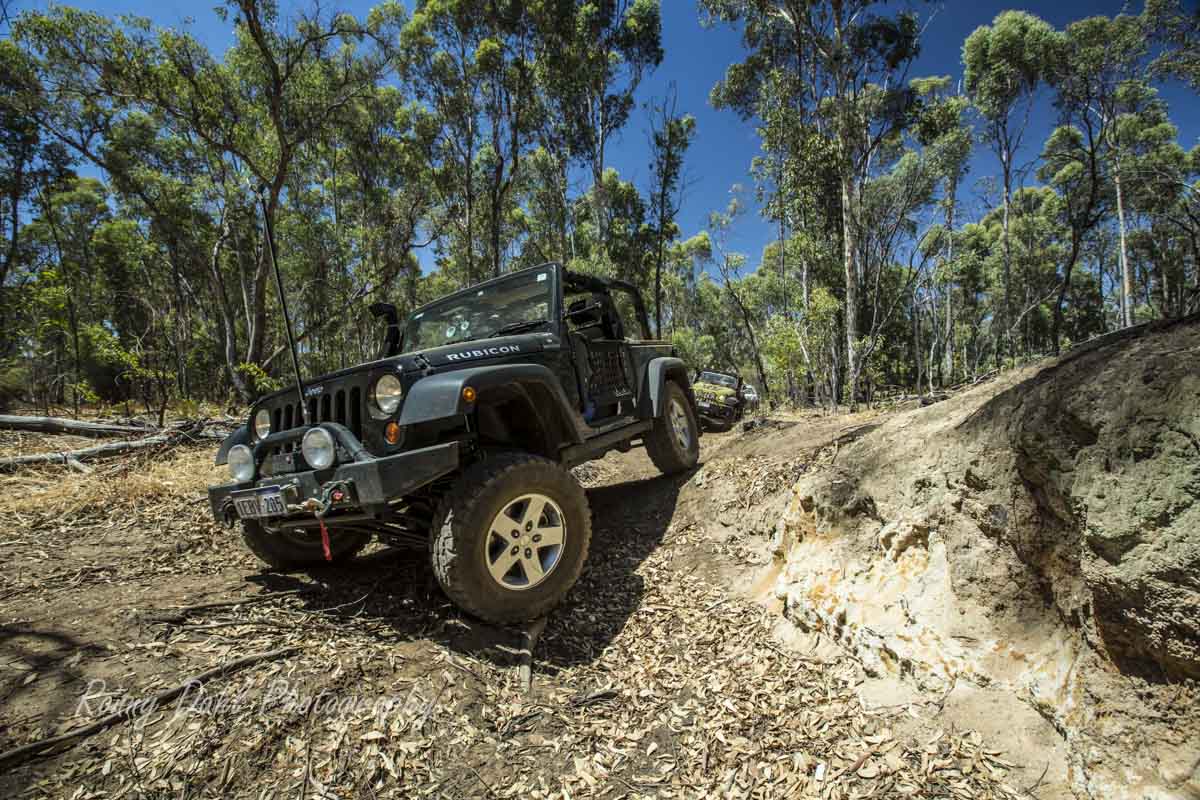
{"type": "Point", "coordinates": [427, 146]}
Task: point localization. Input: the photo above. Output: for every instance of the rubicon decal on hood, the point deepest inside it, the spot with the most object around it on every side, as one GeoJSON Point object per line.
{"type": "Point", "coordinates": [483, 352]}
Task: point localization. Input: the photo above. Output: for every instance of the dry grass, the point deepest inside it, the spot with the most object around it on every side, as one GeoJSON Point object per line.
{"type": "Point", "coordinates": [181, 475]}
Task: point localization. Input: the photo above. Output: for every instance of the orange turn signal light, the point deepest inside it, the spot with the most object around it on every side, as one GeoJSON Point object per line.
{"type": "Point", "coordinates": [468, 394]}
{"type": "Point", "coordinates": [392, 433]}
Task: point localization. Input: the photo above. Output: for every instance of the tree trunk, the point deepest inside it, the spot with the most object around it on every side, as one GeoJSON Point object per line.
{"type": "Point", "coordinates": [1126, 269]}
{"type": "Point", "coordinates": [658, 265]}
{"type": "Point", "coordinates": [228, 326]}
{"type": "Point", "coordinates": [918, 354]}
{"type": "Point", "coordinates": [1056, 325]}
{"type": "Point", "coordinates": [1005, 329]}
{"type": "Point", "coordinates": [75, 427]}
{"type": "Point", "coordinates": [102, 450]}
{"type": "Point", "coordinates": [949, 321]}
{"type": "Point", "coordinates": [848, 249]}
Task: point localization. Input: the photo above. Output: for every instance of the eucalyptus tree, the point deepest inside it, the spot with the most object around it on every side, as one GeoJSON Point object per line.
{"type": "Point", "coordinates": [1177, 29]}
{"type": "Point", "coordinates": [620, 246]}
{"type": "Point", "coordinates": [1071, 164]}
{"type": "Point", "coordinates": [671, 134]}
{"type": "Point", "coordinates": [593, 56]}
{"type": "Point", "coordinates": [1038, 240]}
{"type": "Point", "coordinates": [1162, 194]}
{"type": "Point", "coordinates": [729, 265]}
{"type": "Point", "coordinates": [852, 58]}
{"type": "Point", "coordinates": [1101, 76]}
{"type": "Point", "coordinates": [276, 88]}
{"type": "Point", "coordinates": [68, 214]}
{"type": "Point", "coordinates": [22, 166]}
{"type": "Point", "coordinates": [1004, 64]}
{"type": "Point", "coordinates": [473, 63]}
{"type": "Point", "coordinates": [941, 126]}
{"type": "Point", "coordinates": [1092, 63]}
{"type": "Point", "coordinates": [437, 64]}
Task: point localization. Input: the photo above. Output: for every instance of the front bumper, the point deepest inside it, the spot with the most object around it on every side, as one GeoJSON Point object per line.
{"type": "Point", "coordinates": [374, 482]}
{"type": "Point", "coordinates": [718, 411]}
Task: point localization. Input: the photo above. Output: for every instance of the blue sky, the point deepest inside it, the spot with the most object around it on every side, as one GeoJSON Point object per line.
{"type": "Point", "coordinates": [696, 57]}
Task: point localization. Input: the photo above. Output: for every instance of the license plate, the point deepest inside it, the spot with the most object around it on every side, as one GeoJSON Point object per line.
{"type": "Point", "coordinates": [703, 404]}
{"type": "Point", "coordinates": [266, 501]}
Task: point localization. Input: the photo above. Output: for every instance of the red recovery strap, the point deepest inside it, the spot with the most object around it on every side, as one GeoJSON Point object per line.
{"type": "Point", "coordinates": [325, 539]}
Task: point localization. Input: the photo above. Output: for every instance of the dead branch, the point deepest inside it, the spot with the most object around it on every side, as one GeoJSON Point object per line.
{"type": "Point", "coordinates": [75, 427]}
{"type": "Point", "coordinates": [191, 431]}
{"type": "Point", "coordinates": [27, 752]}
{"type": "Point", "coordinates": [529, 637]}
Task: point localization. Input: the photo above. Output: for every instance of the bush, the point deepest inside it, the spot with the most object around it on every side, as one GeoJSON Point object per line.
{"type": "Point", "coordinates": [14, 384]}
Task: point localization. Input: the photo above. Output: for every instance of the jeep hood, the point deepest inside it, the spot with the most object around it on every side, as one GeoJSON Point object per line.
{"type": "Point", "coordinates": [476, 350]}
{"type": "Point", "coordinates": [461, 354]}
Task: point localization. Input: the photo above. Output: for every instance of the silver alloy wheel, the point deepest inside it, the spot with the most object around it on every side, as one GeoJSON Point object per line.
{"type": "Point", "coordinates": [525, 542]}
{"type": "Point", "coordinates": [681, 424]}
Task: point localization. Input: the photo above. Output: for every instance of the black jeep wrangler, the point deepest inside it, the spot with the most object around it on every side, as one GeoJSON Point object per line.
{"type": "Point", "coordinates": [460, 438]}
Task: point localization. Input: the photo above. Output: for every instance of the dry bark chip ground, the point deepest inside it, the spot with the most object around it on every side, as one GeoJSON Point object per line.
{"type": "Point", "coordinates": [664, 675]}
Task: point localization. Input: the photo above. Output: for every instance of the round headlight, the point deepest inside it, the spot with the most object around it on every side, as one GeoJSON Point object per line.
{"type": "Point", "coordinates": [731, 400]}
{"type": "Point", "coordinates": [318, 448]}
{"type": "Point", "coordinates": [262, 423]}
{"type": "Point", "coordinates": [241, 463]}
{"type": "Point", "coordinates": [387, 394]}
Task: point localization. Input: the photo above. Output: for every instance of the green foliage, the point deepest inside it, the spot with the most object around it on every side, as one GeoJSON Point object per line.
{"type": "Point", "coordinates": [696, 349]}
{"type": "Point", "coordinates": [14, 383]}
{"type": "Point", "coordinates": [259, 379]}
{"type": "Point", "coordinates": [1005, 62]}
{"type": "Point", "coordinates": [430, 145]}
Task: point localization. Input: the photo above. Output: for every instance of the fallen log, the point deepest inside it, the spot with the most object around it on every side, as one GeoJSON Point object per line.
{"type": "Point", "coordinates": [75, 427]}
{"type": "Point", "coordinates": [27, 752]}
{"type": "Point", "coordinates": [75, 458]}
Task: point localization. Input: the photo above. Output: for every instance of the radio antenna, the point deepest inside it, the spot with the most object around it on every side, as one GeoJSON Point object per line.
{"type": "Point", "coordinates": [287, 319]}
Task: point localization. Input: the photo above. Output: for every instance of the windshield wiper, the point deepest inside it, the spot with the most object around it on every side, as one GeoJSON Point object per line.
{"type": "Point", "coordinates": [514, 327]}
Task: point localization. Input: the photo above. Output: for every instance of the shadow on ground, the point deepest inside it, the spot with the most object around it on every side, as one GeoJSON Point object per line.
{"type": "Point", "coordinates": [629, 520]}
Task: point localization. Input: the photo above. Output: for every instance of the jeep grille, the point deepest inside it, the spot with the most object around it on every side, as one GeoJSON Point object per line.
{"type": "Point", "coordinates": [338, 402]}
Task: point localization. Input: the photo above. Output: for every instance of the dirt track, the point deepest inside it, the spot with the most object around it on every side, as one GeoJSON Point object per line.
{"type": "Point", "coordinates": [661, 676]}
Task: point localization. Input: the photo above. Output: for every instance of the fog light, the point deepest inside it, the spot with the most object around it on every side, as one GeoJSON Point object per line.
{"type": "Point", "coordinates": [318, 448]}
{"type": "Point", "coordinates": [241, 463]}
{"type": "Point", "coordinates": [392, 433]}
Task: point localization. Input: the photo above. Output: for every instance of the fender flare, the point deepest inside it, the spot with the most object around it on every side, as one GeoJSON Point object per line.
{"type": "Point", "coordinates": [239, 436]}
{"type": "Point", "coordinates": [658, 371]}
{"type": "Point", "coordinates": [440, 396]}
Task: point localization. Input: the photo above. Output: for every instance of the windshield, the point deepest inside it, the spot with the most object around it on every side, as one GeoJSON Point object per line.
{"type": "Point", "coordinates": [507, 305]}
{"type": "Point", "coordinates": [718, 379]}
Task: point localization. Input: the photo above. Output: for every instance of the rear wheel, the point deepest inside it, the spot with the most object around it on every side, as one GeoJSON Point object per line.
{"type": "Point", "coordinates": [511, 538]}
{"type": "Point", "coordinates": [673, 444]}
{"type": "Point", "coordinates": [286, 549]}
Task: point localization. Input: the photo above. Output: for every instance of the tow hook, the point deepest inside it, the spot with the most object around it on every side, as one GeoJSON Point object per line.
{"type": "Point", "coordinates": [333, 492]}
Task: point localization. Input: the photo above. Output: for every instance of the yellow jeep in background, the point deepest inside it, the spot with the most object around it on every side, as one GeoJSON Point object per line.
{"type": "Point", "coordinates": [720, 398]}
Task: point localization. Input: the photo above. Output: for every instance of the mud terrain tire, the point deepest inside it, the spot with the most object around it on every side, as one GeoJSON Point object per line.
{"type": "Point", "coordinates": [288, 550]}
{"type": "Point", "coordinates": [664, 443]}
{"type": "Point", "coordinates": [463, 541]}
